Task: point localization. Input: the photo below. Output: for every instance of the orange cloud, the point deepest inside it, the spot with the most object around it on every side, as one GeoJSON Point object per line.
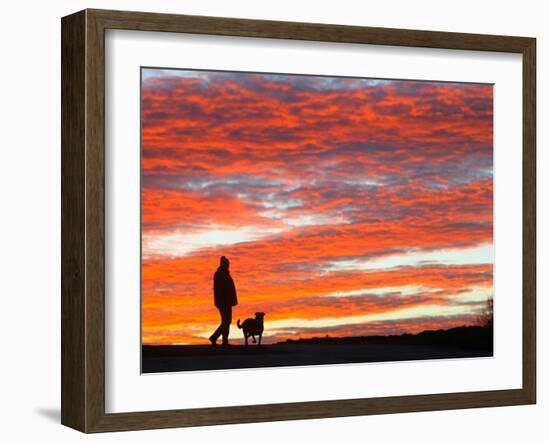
{"type": "Point", "coordinates": [296, 177]}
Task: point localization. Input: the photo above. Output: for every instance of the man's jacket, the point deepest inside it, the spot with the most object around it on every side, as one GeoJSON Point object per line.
{"type": "Point", "coordinates": [225, 293]}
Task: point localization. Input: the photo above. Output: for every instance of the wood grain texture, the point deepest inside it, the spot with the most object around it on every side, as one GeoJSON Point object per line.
{"type": "Point", "coordinates": [95, 222]}
{"type": "Point", "coordinates": [73, 128]}
{"type": "Point", "coordinates": [144, 21]}
{"type": "Point", "coordinates": [307, 410]}
{"type": "Point", "coordinates": [529, 221]}
{"type": "Point", "coordinates": [83, 220]}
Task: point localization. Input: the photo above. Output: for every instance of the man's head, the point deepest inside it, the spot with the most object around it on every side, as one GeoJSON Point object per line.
{"type": "Point", "coordinates": [224, 262]}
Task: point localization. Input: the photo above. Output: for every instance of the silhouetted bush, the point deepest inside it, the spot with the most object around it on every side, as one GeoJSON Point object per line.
{"type": "Point", "coordinates": [485, 319]}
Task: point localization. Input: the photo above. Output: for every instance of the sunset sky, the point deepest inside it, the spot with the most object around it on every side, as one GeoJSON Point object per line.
{"type": "Point", "coordinates": [346, 206]}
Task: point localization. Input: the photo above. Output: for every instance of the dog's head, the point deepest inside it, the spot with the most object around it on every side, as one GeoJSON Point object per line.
{"type": "Point", "coordinates": [260, 315]}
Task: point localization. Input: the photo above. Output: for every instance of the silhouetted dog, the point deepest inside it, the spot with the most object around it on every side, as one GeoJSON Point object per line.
{"type": "Point", "coordinates": [253, 327]}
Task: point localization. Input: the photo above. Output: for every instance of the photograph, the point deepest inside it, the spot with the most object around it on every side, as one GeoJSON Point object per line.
{"type": "Point", "coordinates": [302, 219]}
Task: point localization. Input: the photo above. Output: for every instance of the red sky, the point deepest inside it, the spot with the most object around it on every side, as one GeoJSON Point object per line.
{"type": "Point", "coordinates": [346, 206]}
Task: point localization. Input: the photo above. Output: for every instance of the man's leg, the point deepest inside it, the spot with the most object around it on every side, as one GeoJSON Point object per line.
{"type": "Point", "coordinates": [226, 322]}
{"type": "Point", "coordinates": [219, 330]}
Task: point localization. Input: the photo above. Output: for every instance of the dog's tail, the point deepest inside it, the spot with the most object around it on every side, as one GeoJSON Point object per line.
{"type": "Point", "coordinates": [239, 323]}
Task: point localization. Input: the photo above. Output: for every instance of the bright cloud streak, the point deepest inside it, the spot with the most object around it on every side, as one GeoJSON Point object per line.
{"type": "Point", "coordinates": [384, 291]}
{"type": "Point", "coordinates": [482, 254]}
{"type": "Point", "coordinates": [182, 244]}
{"type": "Point", "coordinates": [412, 312]}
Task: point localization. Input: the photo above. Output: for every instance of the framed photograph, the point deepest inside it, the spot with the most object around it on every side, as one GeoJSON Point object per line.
{"type": "Point", "coordinates": [269, 220]}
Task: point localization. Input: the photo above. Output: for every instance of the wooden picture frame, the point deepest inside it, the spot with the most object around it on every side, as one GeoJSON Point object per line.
{"type": "Point", "coordinates": [83, 220]}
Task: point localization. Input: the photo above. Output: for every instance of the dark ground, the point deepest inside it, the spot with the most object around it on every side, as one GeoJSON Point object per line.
{"type": "Point", "coordinates": [463, 342]}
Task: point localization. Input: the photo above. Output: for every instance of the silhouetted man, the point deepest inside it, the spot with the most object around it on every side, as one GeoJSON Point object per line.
{"type": "Point", "coordinates": [225, 297]}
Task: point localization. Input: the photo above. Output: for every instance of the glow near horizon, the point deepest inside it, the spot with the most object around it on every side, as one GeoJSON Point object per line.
{"type": "Point", "coordinates": [405, 313]}
{"type": "Point", "coordinates": [475, 294]}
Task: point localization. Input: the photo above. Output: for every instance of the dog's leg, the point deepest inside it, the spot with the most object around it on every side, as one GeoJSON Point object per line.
{"type": "Point", "coordinates": [254, 339]}
{"type": "Point", "coordinates": [245, 339]}
{"type": "Point", "coordinates": [260, 340]}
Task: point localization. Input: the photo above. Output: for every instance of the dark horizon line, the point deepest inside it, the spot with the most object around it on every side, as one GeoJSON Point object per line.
{"type": "Point", "coordinates": [328, 337]}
